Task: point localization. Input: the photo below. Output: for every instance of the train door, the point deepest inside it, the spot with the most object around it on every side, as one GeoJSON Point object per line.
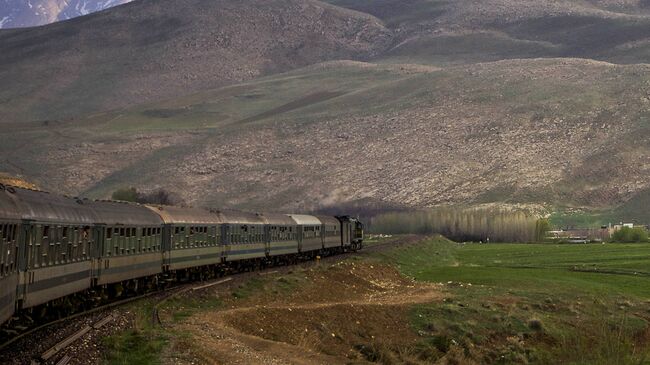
{"type": "Point", "coordinates": [97, 250]}
{"type": "Point", "coordinates": [166, 245]}
{"type": "Point", "coordinates": [267, 239]}
{"type": "Point", "coordinates": [299, 230]}
{"type": "Point", "coordinates": [226, 240]}
{"type": "Point", "coordinates": [345, 232]}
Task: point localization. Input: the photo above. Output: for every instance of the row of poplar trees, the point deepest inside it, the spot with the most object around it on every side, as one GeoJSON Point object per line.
{"type": "Point", "coordinates": [486, 224]}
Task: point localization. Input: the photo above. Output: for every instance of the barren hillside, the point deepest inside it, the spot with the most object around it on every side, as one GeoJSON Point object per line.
{"type": "Point", "coordinates": [552, 131]}
{"type": "Point", "coordinates": [456, 102]}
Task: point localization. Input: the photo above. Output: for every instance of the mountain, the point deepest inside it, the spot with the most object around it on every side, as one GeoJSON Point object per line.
{"type": "Point", "coordinates": [154, 49]}
{"type": "Point", "coordinates": [299, 104]}
{"type": "Point", "coordinates": [29, 13]}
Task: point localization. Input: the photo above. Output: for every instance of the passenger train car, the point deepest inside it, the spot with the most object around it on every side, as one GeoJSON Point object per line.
{"type": "Point", "coordinates": [57, 252]}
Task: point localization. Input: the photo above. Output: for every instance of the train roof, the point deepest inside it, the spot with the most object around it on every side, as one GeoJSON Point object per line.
{"type": "Point", "coordinates": [326, 219]}
{"type": "Point", "coordinates": [179, 215]}
{"type": "Point", "coordinates": [277, 219]}
{"type": "Point", "coordinates": [45, 207]}
{"type": "Point", "coordinates": [115, 213]}
{"type": "Point", "coordinates": [9, 205]}
{"type": "Point", "coordinates": [304, 219]}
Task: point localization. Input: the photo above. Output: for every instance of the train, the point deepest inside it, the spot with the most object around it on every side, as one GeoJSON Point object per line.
{"type": "Point", "coordinates": [59, 252]}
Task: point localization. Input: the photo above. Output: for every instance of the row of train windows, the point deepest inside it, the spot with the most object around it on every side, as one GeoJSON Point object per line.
{"type": "Point", "coordinates": [331, 231]}
{"type": "Point", "coordinates": [246, 238]}
{"type": "Point", "coordinates": [59, 232]}
{"type": "Point", "coordinates": [310, 231]}
{"type": "Point", "coordinates": [194, 237]}
{"type": "Point", "coordinates": [129, 240]}
{"type": "Point", "coordinates": [8, 234]}
{"type": "Point", "coordinates": [8, 231]}
{"type": "Point", "coordinates": [131, 232]}
{"type": "Point", "coordinates": [191, 231]}
{"type": "Point", "coordinates": [60, 244]}
{"type": "Point", "coordinates": [282, 233]}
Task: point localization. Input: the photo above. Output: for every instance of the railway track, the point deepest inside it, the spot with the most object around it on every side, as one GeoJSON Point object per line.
{"type": "Point", "coordinates": [51, 353]}
{"type": "Point", "coordinates": [162, 296]}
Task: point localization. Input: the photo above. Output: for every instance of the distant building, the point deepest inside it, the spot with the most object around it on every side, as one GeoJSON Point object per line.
{"type": "Point", "coordinates": [582, 235]}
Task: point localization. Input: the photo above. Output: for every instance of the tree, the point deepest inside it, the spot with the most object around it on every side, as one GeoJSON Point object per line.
{"type": "Point", "coordinates": [542, 226]}
{"type": "Point", "coordinates": [126, 194]}
{"type": "Point", "coordinates": [159, 196]}
{"type": "Point", "coordinates": [630, 235]}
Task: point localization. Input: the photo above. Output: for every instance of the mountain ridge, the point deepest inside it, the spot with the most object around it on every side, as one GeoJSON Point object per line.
{"type": "Point", "coordinates": [30, 13]}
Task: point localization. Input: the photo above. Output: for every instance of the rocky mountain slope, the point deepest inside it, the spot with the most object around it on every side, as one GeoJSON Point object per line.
{"type": "Point", "coordinates": [454, 102]}
{"type": "Point", "coordinates": [29, 13]}
{"type": "Point", "coordinates": [554, 131]}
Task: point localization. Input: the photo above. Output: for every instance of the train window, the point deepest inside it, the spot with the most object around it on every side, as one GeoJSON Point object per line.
{"type": "Point", "coordinates": [109, 233]}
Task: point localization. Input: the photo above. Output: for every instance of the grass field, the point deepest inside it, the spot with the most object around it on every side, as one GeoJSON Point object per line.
{"type": "Point", "coordinates": [518, 303]}
{"type": "Point", "coordinates": [498, 304]}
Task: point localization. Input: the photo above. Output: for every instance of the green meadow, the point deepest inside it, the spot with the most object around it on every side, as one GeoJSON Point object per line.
{"type": "Point", "coordinates": [532, 303]}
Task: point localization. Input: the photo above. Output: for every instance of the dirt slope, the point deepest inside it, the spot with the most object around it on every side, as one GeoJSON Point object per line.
{"type": "Point", "coordinates": [332, 316]}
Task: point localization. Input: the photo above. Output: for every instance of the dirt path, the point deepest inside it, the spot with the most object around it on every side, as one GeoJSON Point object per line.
{"type": "Point", "coordinates": [329, 318]}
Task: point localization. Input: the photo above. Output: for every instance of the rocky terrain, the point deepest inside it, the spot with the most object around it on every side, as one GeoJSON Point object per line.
{"type": "Point", "coordinates": [453, 102]}
{"type": "Point", "coordinates": [21, 13]}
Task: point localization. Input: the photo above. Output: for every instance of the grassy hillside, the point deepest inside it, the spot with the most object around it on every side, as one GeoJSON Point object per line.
{"type": "Point", "coordinates": [153, 49]}
{"type": "Point", "coordinates": [556, 131]}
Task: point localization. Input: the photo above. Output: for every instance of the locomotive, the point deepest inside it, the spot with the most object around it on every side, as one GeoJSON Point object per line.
{"type": "Point", "coordinates": [57, 251]}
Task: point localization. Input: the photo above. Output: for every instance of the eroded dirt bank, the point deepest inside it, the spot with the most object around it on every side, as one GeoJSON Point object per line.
{"type": "Point", "coordinates": [333, 313]}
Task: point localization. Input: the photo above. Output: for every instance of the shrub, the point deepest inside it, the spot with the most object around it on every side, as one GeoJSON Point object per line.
{"type": "Point", "coordinates": [127, 195]}
{"type": "Point", "coordinates": [535, 325]}
{"type": "Point", "coordinates": [630, 235]}
{"type": "Point", "coordinates": [159, 196]}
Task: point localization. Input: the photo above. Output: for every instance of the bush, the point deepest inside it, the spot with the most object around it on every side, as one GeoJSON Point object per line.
{"type": "Point", "coordinates": [630, 235]}
{"type": "Point", "coordinates": [127, 195]}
